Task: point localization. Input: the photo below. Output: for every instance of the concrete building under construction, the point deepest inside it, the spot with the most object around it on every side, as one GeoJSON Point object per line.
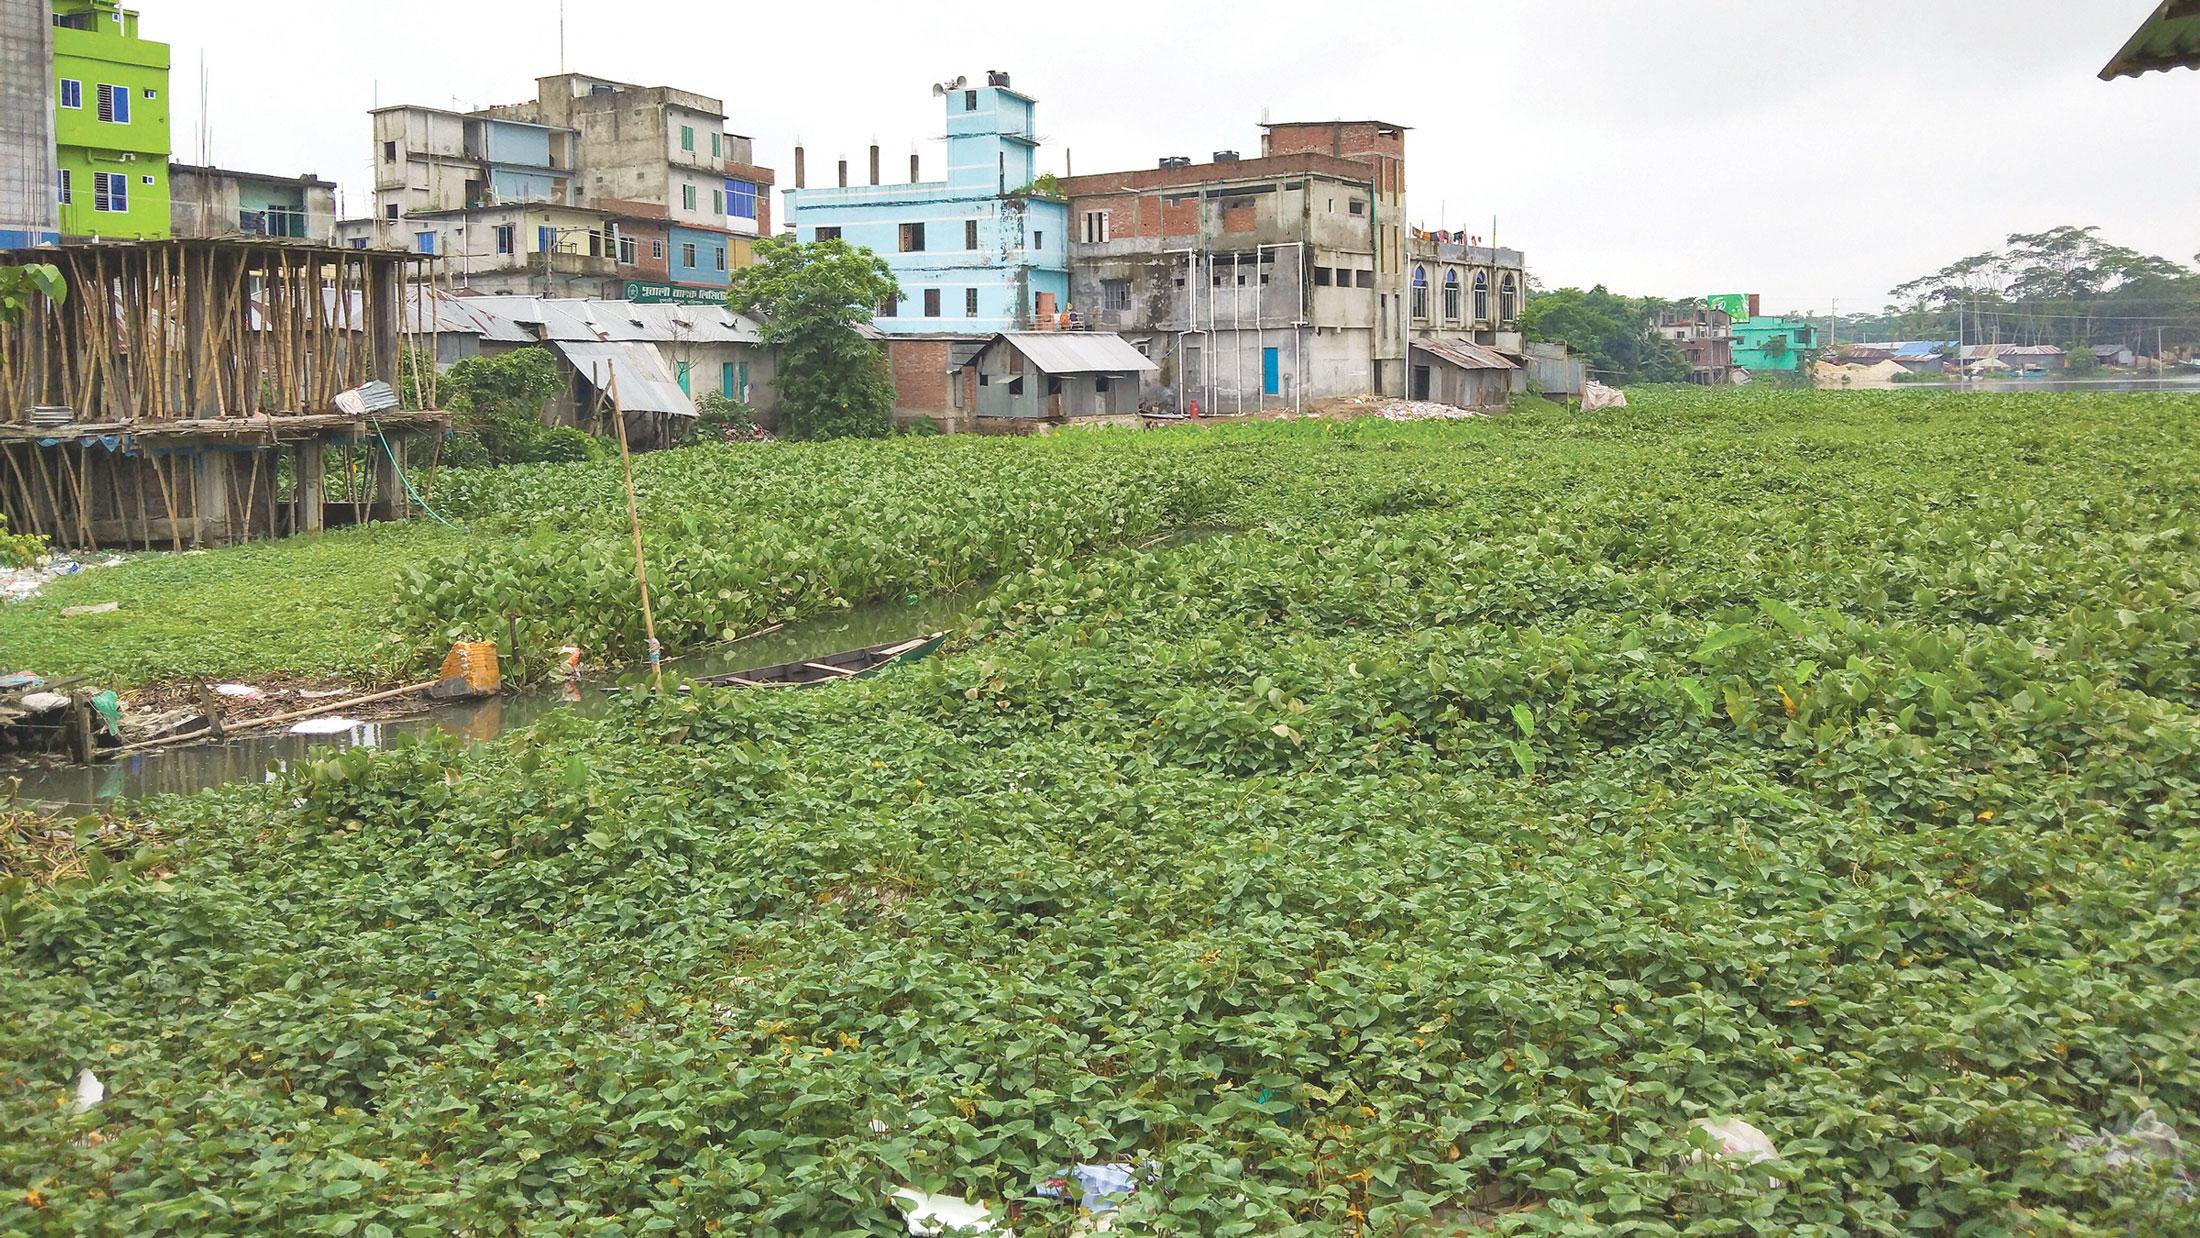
{"type": "Point", "coordinates": [186, 393]}
{"type": "Point", "coordinates": [1254, 283]}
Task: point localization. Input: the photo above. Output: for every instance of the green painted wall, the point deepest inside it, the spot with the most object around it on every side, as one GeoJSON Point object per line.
{"type": "Point", "coordinates": [1752, 334]}
{"type": "Point", "coordinates": [109, 53]}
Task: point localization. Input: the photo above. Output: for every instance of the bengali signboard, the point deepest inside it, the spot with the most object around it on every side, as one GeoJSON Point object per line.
{"type": "Point", "coordinates": [644, 292]}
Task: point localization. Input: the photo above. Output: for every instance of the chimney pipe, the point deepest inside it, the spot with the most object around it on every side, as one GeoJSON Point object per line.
{"type": "Point", "coordinates": [1067, 166]}
{"type": "Point", "coordinates": [913, 176]}
{"type": "Point", "coordinates": [798, 166]}
{"type": "Point", "coordinates": [874, 163]}
{"type": "Point", "coordinates": [843, 174]}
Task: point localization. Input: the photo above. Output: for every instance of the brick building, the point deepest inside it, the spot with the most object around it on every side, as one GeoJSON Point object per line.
{"type": "Point", "coordinates": [1253, 282]}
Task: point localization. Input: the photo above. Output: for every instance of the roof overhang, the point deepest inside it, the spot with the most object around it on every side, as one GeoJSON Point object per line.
{"type": "Point", "coordinates": [2170, 39]}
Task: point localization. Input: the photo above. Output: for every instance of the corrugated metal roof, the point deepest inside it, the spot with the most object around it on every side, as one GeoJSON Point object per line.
{"type": "Point", "coordinates": [962, 353]}
{"type": "Point", "coordinates": [624, 321]}
{"type": "Point", "coordinates": [1466, 354]}
{"type": "Point", "coordinates": [2170, 39]}
{"type": "Point", "coordinates": [645, 385]}
{"type": "Point", "coordinates": [1078, 352]}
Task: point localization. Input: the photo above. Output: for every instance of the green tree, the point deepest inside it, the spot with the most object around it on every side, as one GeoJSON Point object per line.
{"type": "Point", "coordinates": [497, 404]}
{"type": "Point", "coordinates": [20, 284]}
{"type": "Point", "coordinates": [811, 299]}
{"type": "Point", "coordinates": [1618, 334]}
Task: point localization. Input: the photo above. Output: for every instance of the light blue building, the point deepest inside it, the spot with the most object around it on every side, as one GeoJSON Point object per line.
{"type": "Point", "coordinates": [977, 253]}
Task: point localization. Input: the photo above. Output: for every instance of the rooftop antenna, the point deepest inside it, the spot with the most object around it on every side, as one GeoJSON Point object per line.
{"type": "Point", "coordinates": [561, 37]}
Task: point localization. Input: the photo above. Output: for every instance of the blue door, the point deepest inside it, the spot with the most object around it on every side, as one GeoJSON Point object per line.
{"type": "Point", "coordinates": [1271, 372]}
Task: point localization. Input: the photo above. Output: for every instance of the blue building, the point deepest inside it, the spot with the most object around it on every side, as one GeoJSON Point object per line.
{"type": "Point", "coordinates": [977, 253]}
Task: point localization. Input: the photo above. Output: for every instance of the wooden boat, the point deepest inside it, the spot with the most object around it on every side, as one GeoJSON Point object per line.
{"type": "Point", "coordinates": [854, 664]}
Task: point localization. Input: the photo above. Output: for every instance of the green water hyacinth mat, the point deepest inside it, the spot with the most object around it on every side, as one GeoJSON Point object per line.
{"type": "Point", "coordinates": [1471, 841]}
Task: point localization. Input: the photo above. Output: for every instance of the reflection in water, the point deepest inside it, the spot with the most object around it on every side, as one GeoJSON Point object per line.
{"type": "Point", "coordinates": [249, 757]}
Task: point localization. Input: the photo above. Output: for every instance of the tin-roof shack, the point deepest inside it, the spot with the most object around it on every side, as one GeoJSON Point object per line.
{"type": "Point", "coordinates": [1045, 377]}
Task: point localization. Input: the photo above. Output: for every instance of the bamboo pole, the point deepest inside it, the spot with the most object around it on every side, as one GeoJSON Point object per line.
{"type": "Point", "coordinates": [167, 502]}
{"type": "Point", "coordinates": [634, 519]}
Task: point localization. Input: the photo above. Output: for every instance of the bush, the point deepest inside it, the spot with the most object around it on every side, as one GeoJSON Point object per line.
{"type": "Point", "coordinates": [722, 419]}
{"type": "Point", "coordinates": [19, 549]}
{"type": "Point", "coordinates": [563, 445]}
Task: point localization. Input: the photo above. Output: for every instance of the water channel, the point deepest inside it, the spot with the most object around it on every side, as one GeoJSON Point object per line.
{"type": "Point", "coordinates": [197, 766]}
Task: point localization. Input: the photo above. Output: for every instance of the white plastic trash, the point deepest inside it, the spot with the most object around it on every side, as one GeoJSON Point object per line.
{"type": "Point", "coordinates": [1596, 396]}
{"type": "Point", "coordinates": [243, 691]}
{"type": "Point", "coordinates": [944, 1214]}
{"type": "Point", "coordinates": [89, 1091]}
{"type": "Point", "coordinates": [335, 724]}
{"type": "Point", "coordinates": [1737, 1141]}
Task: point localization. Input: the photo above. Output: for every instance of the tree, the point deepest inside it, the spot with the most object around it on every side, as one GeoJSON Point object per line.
{"type": "Point", "coordinates": [19, 284]}
{"type": "Point", "coordinates": [497, 404]}
{"type": "Point", "coordinates": [811, 298]}
{"type": "Point", "coordinates": [1618, 334]}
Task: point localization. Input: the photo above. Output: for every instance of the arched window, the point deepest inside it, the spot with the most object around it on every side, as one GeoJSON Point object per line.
{"type": "Point", "coordinates": [1420, 292]}
{"type": "Point", "coordinates": [1508, 300]}
{"type": "Point", "coordinates": [1481, 296]}
{"type": "Point", "coordinates": [1451, 296]}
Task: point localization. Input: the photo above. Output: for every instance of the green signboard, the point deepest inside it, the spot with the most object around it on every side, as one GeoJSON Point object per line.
{"type": "Point", "coordinates": [646, 293]}
{"type": "Point", "coordinates": [1734, 305]}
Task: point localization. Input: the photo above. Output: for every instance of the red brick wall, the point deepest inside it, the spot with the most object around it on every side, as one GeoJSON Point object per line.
{"type": "Point", "coordinates": [1201, 174]}
{"type": "Point", "coordinates": [920, 375]}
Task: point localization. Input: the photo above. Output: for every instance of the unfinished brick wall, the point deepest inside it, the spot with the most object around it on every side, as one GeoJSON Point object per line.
{"type": "Point", "coordinates": [920, 375]}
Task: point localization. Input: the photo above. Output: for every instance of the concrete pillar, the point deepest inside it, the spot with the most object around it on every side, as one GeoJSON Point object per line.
{"type": "Point", "coordinates": [310, 464]}
{"type": "Point", "coordinates": [843, 174]}
{"type": "Point", "coordinates": [390, 500]}
{"type": "Point", "coordinates": [210, 482]}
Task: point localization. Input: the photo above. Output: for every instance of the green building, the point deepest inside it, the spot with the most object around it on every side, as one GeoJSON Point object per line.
{"type": "Point", "coordinates": [110, 122]}
{"type": "Point", "coordinates": [1773, 344]}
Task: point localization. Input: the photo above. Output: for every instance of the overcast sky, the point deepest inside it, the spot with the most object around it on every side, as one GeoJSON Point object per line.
{"type": "Point", "coordinates": [1806, 152]}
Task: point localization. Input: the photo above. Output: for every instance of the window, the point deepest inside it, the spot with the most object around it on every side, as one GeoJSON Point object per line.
{"type": "Point", "coordinates": [1508, 296]}
{"type": "Point", "coordinates": [687, 138]}
{"type": "Point", "coordinates": [970, 234]}
{"type": "Point", "coordinates": [687, 196]}
{"type": "Point", "coordinates": [358, 242]}
{"type": "Point", "coordinates": [725, 381]}
{"type": "Point", "coordinates": [1481, 296]}
{"type": "Point", "coordinates": [1420, 292]}
{"type": "Point", "coordinates": [1321, 277]}
{"type": "Point", "coordinates": [1115, 294]}
{"type": "Point", "coordinates": [67, 187]}
{"type": "Point", "coordinates": [912, 238]}
{"type": "Point", "coordinates": [1356, 206]}
{"type": "Point", "coordinates": [424, 242]}
{"type": "Point", "coordinates": [546, 240]}
{"type": "Point", "coordinates": [505, 238]}
{"type": "Point", "coordinates": [1451, 296]}
{"type": "Point", "coordinates": [741, 199]}
{"type": "Point", "coordinates": [686, 375]}
{"type": "Point", "coordinates": [827, 234]}
{"type": "Point", "coordinates": [970, 101]}
{"type": "Point", "coordinates": [931, 303]}
{"type": "Point", "coordinates": [390, 212]}
{"type": "Point", "coordinates": [1096, 227]}
{"type": "Point", "coordinates": [717, 145]}
{"type": "Point", "coordinates": [389, 152]}
{"type": "Point", "coordinates": [1365, 277]}
{"type": "Point", "coordinates": [114, 104]}
{"type": "Point", "coordinates": [72, 93]}
{"type": "Point", "coordinates": [626, 248]}
{"type": "Point", "coordinates": [889, 307]}
{"type": "Point", "coordinates": [656, 251]}
{"type": "Point", "coordinates": [687, 254]}
{"type": "Point", "coordinates": [970, 303]}
{"type": "Point", "coordinates": [741, 381]}
{"type": "Point", "coordinates": [1103, 384]}
{"type": "Point", "coordinates": [1038, 240]}
{"type": "Point", "coordinates": [717, 201]}
{"type": "Point", "coordinates": [110, 192]}
{"type": "Point", "coordinates": [145, 180]}
{"type": "Point", "coordinates": [151, 93]}
{"type": "Point", "coordinates": [718, 256]}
